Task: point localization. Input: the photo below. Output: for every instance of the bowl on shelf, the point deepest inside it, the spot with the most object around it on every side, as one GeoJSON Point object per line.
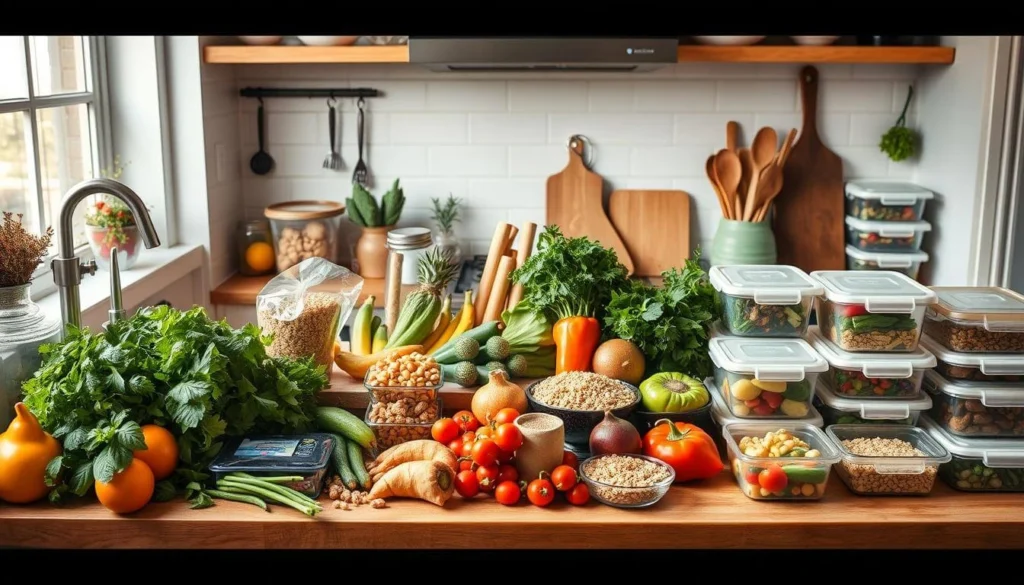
{"type": "Point", "coordinates": [328, 41]}
{"type": "Point", "coordinates": [260, 40]}
{"type": "Point", "coordinates": [814, 41]}
{"type": "Point", "coordinates": [732, 40]}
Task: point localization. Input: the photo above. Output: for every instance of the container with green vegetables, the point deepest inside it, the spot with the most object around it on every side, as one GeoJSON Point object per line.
{"type": "Point", "coordinates": [842, 410]}
{"type": "Point", "coordinates": [304, 456]}
{"type": "Point", "coordinates": [979, 465]}
{"type": "Point", "coordinates": [764, 301]}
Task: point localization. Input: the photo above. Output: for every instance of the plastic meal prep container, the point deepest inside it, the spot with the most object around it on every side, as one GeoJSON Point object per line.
{"type": "Point", "coordinates": [976, 409]}
{"type": "Point", "coordinates": [877, 311]}
{"type": "Point", "coordinates": [394, 393]}
{"type": "Point", "coordinates": [391, 434]}
{"type": "Point", "coordinates": [806, 477]}
{"type": "Point", "coordinates": [886, 236]}
{"type": "Point", "coordinates": [880, 474]}
{"type": "Point", "coordinates": [979, 465]}
{"type": "Point", "coordinates": [858, 411]}
{"type": "Point", "coordinates": [764, 301]}
{"type": "Point", "coordinates": [979, 367]}
{"type": "Point", "coordinates": [872, 375]}
{"type": "Point", "coordinates": [304, 229]}
{"type": "Point", "coordinates": [977, 319]}
{"type": "Point", "coordinates": [721, 416]}
{"type": "Point", "coordinates": [766, 378]}
{"type": "Point", "coordinates": [276, 455]}
{"type": "Point", "coordinates": [908, 263]}
{"type": "Point", "coordinates": [886, 200]}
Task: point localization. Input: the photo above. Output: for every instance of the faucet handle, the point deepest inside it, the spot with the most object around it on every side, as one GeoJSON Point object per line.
{"type": "Point", "coordinates": [89, 267]}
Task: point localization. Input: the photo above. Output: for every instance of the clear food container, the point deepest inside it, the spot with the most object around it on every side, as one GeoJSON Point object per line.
{"type": "Point", "coordinates": [976, 409]}
{"type": "Point", "coordinates": [391, 434]}
{"type": "Point", "coordinates": [840, 410]}
{"type": "Point", "coordinates": [395, 393]}
{"type": "Point", "coordinates": [305, 229]}
{"type": "Point", "coordinates": [721, 416]}
{"type": "Point", "coordinates": [979, 465]}
{"type": "Point", "coordinates": [886, 200]}
{"type": "Point", "coordinates": [877, 311]}
{"type": "Point", "coordinates": [306, 456]}
{"type": "Point", "coordinates": [977, 319]}
{"type": "Point", "coordinates": [764, 475]}
{"type": "Point", "coordinates": [766, 378]}
{"type": "Point", "coordinates": [889, 460]}
{"type": "Point", "coordinates": [978, 367]}
{"type": "Point", "coordinates": [885, 236]}
{"type": "Point", "coordinates": [908, 263]}
{"type": "Point", "coordinates": [764, 301]}
{"type": "Point", "coordinates": [872, 375]}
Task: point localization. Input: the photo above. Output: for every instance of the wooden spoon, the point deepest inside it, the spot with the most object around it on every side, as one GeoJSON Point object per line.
{"type": "Point", "coordinates": [787, 146]}
{"type": "Point", "coordinates": [747, 177]}
{"type": "Point", "coordinates": [732, 134]}
{"type": "Point", "coordinates": [768, 188]}
{"type": "Point", "coordinates": [709, 167]}
{"type": "Point", "coordinates": [729, 171]}
{"type": "Point", "coordinates": [763, 149]}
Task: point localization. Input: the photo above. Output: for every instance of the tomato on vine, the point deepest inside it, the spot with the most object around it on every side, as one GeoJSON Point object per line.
{"type": "Point", "coordinates": [508, 437]}
{"type": "Point", "coordinates": [508, 493]}
{"type": "Point", "coordinates": [540, 492]}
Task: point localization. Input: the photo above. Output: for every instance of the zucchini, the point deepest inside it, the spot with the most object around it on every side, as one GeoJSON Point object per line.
{"type": "Point", "coordinates": [346, 424]}
{"type": "Point", "coordinates": [480, 333]}
{"type": "Point", "coordinates": [357, 465]}
{"type": "Point", "coordinates": [483, 375]}
{"type": "Point", "coordinates": [463, 373]}
{"type": "Point", "coordinates": [339, 459]}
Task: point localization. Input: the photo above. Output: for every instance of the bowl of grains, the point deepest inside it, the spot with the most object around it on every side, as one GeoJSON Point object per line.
{"type": "Point", "coordinates": [580, 399]}
{"type": "Point", "coordinates": [627, 481]}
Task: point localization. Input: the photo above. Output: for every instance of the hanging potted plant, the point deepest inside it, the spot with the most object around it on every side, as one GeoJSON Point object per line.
{"type": "Point", "coordinates": [445, 216]}
{"type": "Point", "coordinates": [109, 224]}
{"type": "Point", "coordinates": [376, 219]}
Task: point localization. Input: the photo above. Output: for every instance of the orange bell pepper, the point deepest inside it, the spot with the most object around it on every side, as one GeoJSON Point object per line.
{"type": "Point", "coordinates": [576, 339]}
{"type": "Point", "coordinates": [690, 451]}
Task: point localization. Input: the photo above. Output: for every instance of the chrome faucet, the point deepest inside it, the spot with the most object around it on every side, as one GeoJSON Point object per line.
{"type": "Point", "coordinates": [67, 268]}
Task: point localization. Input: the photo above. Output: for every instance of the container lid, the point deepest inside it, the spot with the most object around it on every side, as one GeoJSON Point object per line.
{"type": "Point", "coordinates": [783, 360]}
{"type": "Point", "coordinates": [767, 285]}
{"type": "Point", "coordinates": [873, 365]}
{"type": "Point", "coordinates": [996, 453]}
{"type": "Point", "coordinates": [880, 291]}
{"type": "Point", "coordinates": [888, 192]}
{"type": "Point", "coordinates": [298, 453]}
{"type": "Point", "coordinates": [722, 416]}
{"type": "Point", "coordinates": [998, 309]}
{"type": "Point", "coordinates": [990, 364]}
{"type": "Point", "coordinates": [933, 452]}
{"type": "Point", "coordinates": [888, 409]}
{"type": "Point", "coordinates": [303, 210]}
{"type": "Point", "coordinates": [990, 394]}
{"type": "Point", "coordinates": [889, 229]}
{"type": "Point", "coordinates": [887, 259]}
{"type": "Point", "coordinates": [410, 238]}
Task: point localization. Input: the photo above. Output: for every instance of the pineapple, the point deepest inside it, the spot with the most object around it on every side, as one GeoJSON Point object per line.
{"type": "Point", "coordinates": [422, 306]}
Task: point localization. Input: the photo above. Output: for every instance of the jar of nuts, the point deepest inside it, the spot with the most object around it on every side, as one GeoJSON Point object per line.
{"type": "Point", "coordinates": [305, 229]}
{"type": "Point", "coordinates": [404, 398]}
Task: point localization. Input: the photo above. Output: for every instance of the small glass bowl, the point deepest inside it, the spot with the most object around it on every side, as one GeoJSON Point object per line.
{"type": "Point", "coordinates": [628, 497]}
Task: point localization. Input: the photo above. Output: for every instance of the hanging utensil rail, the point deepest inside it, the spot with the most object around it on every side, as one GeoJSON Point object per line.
{"type": "Point", "coordinates": [288, 92]}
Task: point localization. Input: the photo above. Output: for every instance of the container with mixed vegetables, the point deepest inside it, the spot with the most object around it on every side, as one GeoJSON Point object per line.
{"type": "Point", "coordinates": [764, 301]}
{"type": "Point", "coordinates": [886, 200]}
{"type": "Point", "coordinates": [771, 463]}
{"type": "Point", "coordinates": [872, 375]}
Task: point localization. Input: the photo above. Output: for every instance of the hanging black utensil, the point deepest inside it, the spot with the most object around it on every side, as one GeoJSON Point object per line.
{"type": "Point", "coordinates": [261, 163]}
{"type": "Point", "coordinates": [361, 174]}
{"type": "Point", "coordinates": [333, 159]}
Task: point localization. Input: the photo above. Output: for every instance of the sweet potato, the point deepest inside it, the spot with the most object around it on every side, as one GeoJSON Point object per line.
{"type": "Point", "coordinates": [420, 450]}
{"type": "Point", "coordinates": [431, 481]}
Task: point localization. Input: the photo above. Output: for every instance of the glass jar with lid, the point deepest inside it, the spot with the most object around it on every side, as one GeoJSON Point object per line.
{"type": "Point", "coordinates": [411, 243]}
{"type": "Point", "coordinates": [23, 328]}
{"type": "Point", "coordinates": [255, 248]}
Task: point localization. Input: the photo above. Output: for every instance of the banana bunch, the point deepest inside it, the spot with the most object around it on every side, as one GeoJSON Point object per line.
{"type": "Point", "coordinates": [368, 334]}
{"type": "Point", "coordinates": [451, 327]}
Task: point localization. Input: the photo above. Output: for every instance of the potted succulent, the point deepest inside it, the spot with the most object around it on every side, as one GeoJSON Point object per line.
{"type": "Point", "coordinates": [109, 224]}
{"type": "Point", "coordinates": [376, 219]}
{"type": "Point", "coordinates": [445, 216]}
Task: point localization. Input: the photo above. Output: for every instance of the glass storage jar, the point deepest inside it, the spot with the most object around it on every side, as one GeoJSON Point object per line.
{"type": "Point", "coordinates": [305, 229]}
{"type": "Point", "coordinates": [411, 243]}
{"type": "Point", "coordinates": [255, 248]}
{"type": "Point", "coordinates": [23, 328]}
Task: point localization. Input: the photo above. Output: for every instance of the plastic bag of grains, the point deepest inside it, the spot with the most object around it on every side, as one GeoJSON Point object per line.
{"type": "Point", "coordinates": [304, 308]}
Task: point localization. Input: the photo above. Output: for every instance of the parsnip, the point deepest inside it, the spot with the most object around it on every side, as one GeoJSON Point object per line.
{"type": "Point", "coordinates": [431, 481]}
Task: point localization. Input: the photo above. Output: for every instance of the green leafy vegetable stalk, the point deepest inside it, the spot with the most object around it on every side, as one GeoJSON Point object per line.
{"type": "Point", "coordinates": [527, 329]}
{"type": "Point", "coordinates": [900, 142]}
{"type": "Point", "coordinates": [570, 277]}
{"type": "Point", "coordinates": [670, 324]}
{"type": "Point", "coordinates": [201, 379]}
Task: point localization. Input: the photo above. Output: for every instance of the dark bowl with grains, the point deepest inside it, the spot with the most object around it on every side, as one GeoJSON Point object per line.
{"type": "Point", "coordinates": [580, 399]}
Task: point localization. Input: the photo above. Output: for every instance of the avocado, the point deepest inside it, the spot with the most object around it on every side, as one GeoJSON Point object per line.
{"type": "Point", "coordinates": [801, 474]}
{"type": "Point", "coordinates": [798, 391]}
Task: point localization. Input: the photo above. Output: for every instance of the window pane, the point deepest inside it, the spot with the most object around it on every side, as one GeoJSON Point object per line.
{"type": "Point", "coordinates": [65, 158]}
{"type": "Point", "coordinates": [13, 80]}
{"type": "Point", "coordinates": [58, 65]}
{"type": "Point", "coordinates": [17, 187]}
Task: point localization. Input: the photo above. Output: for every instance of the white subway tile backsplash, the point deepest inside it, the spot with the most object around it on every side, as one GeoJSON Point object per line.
{"type": "Point", "coordinates": [429, 129]}
{"type": "Point", "coordinates": [468, 161]}
{"type": "Point", "coordinates": [537, 161]}
{"type": "Point", "coordinates": [834, 129]}
{"type": "Point", "coordinates": [547, 96]}
{"type": "Point", "coordinates": [756, 96]}
{"type": "Point", "coordinates": [395, 161]}
{"type": "Point", "coordinates": [610, 96]}
{"type": "Point", "coordinates": [856, 96]}
{"type": "Point", "coordinates": [709, 129]}
{"type": "Point", "coordinates": [619, 129]}
{"type": "Point", "coordinates": [335, 188]}
{"type": "Point", "coordinates": [668, 161]}
{"type": "Point", "coordinates": [867, 129]}
{"type": "Point", "coordinates": [467, 96]}
{"type": "Point", "coordinates": [508, 193]}
{"type": "Point", "coordinates": [292, 128]}
{"type": "Point", "coordinates": [675, 96]}
{"type": "Point", "coordinates": [863, 162]}
{"type": "Point", "coordinates": [508, 129]}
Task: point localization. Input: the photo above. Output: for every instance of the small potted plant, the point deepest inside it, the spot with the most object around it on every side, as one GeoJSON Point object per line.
{"type": "Point", "coordinates": [376, 219]}
{"type": "Point", "coordinates": [109, 223]}
{"type": "Point", "coordinates": [445, 216]}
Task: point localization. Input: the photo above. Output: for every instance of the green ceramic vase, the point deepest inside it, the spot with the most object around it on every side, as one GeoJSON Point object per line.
{"type": "Point", "coordinates": [743, 242]}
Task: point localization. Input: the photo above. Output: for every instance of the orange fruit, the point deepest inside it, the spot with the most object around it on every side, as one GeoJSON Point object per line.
{"type": "Point", "coordinates": [129, 490]}
{"type": "Point", "coordinates": [161, 452]}
{"type": "Point", "coordinates": [260, 256]}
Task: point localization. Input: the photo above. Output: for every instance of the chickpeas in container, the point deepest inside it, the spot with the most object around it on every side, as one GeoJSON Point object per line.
{"type": "Point", "coordinates": [304, 307]}
{"type": "Point", "coordinates": [304, 229]}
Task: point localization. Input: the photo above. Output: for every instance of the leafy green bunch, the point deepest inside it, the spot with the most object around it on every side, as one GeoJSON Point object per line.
{"type": "Point", "coordinates": [899, 142]}
{"type": "Point", "coordinates": [201, 379]}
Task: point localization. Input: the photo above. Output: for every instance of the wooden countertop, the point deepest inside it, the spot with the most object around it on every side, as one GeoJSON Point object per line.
{"type": "Point", "coordinates": [242, 290]}
{"type": "Point", "coordinates": [714, 514]}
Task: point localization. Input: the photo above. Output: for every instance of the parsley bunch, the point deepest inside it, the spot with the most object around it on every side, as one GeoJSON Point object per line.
{"type": "Point", "coordinates": [900, 142]}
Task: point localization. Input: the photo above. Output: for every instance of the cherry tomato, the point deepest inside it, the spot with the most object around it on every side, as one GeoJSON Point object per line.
{"type": "Point", "coordinates": [752, 403]}
{"type": "Point", "coordinates": [751, 477]}
{"type": "Point", "coordinates": [466, 484]}
{"type": "Point", "coordinates": [465, 464]}
{"type": "Point", "coordinates": [540, 492]}
{"type": "Point", "coordinates": [772, 399]}
{"type": "Point", "coordinates": [569, 458]}
{"type": "Point", "coordinates": [763, 409]}
{"type": "Point", "coordinates": [456, 446]}
{"type": "Point", "coordinates": [466, 421]}
{"type": "Point", "coordinates": [508, 493]}
{"type": "Point", "coordinates": [485, 431]}
{"type": "Point", "coordinates": [852, 310]}
{"type": "Point", "coordinates": [508, 437]}
{"type": "Point", "coordinates": [485, 452]}
{"type": "Point", "coordinates": [578, 495]}
{"type": "Point", "coordinates": [505, 457]}
{"type": "Point", "coordinates": [507, 473]}
{"type": "Point", "coordinates": [773, 479]}
{"type": "Point", "coordinates": [564, 478]}
{"type": "Point", "coordinates": [487, 477]}
{"type": "Point", "coordinates": [445, 430]}
{"type": "Point", "coordinates": [506, 415]}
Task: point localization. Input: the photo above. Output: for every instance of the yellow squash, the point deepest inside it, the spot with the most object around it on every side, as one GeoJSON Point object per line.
{"type": "Point", "coordinates": [25, 451]}
{"type": "Point", "coordinates": [460, 323]}
{"type": "Point", "coordinates": [357, 365]}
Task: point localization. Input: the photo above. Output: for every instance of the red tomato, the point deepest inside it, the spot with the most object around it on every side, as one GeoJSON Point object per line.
{"type": "Point", "coordinates": [507, 493]}
{"type": "Point", "coordinates": [578, 495]}
{"type": "Point", "coordinates": [751, 477]}
{"type": "Point", "coordinates": [466, 484]}
{"type": "Point", "coordinates": [772, 399]}
{"type": "Point", "coordinates": [468, 437]}
{"type": "Point", "coordinates": [506, 415]}
{"type": "Point", "coordinates": [445, 430]}
{"type": "Point", "coordinates": [773, 479]}
{"type": "Point", "coordinates": [485, 452]}
{"type": "Point", "coordinates": [487, 477]}
{"type": "Point", "coordinates": [507, 473]}
{"type": "Point", "coordinates": [465, 464]}
{"type": "Point", "coordinates": [752, 403]}
{"type": "Point", "coordinates": [763, 409]}
{"type": "Point", "coordinates": [851, 310]}
{"type": "Point", "coordinates": [505, 457]}
{"type": "Point", "coordinates": [564, 478]}
{"type": "Point", "coordinates": [569, 458]}
{"type": "Point", "coordinates": [456, 446]}
{"type": "Point", "coordinates": [508, 437]}
{"type": "Point", "coordinates": [540, 492]}
{"type": "Point", "coordinates": [466, 420]}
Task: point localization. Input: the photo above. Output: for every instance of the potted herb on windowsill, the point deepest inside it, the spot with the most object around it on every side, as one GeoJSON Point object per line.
{"type": "Point", "coordinates": [109, 223]}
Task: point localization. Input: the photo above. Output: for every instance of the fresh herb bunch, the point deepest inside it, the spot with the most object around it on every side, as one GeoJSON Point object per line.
{"type": "Point", "coordinates": [670, 324]}
{"type": "Point", "coordinates": [900, 142]}
{"type": "Point", "coordinates": [570, 277]}
{"type": "Point", "coordinates": [445, 215]}
{"type": "Point", "coordinates": [109, 212]}
{"type": "Point", "coordinates": [200, 379]}
{"type": "Point", "coordinates": [364, 210]}
{"type": "Point", "coordinates": [20, 251]}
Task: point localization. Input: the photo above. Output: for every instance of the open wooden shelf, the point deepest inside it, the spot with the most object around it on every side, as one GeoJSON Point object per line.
{"type": "Point", "coordinates": [245, 54]}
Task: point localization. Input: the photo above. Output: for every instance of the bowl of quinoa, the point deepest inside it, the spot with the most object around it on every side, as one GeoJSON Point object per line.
{"type": "Point", "coordinates": [580, 399]}
{"type": "Point", "coordinates": [627, 481]}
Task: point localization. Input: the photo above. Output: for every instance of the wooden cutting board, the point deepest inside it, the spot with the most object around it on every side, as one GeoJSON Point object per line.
{"type": "Point", "coordinates": [574, 204]}
{"type": "Point", "coordinates": [808, 215]}
{"type": "Point", "coordinates": [654, 226]}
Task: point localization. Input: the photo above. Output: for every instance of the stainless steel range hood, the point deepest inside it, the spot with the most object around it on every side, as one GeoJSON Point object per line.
{"type": "Point", "coordinates": [610, 54]}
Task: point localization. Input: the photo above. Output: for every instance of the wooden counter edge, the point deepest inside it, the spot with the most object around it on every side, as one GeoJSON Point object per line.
{"type": "Point", "coordinates": [242, 290]}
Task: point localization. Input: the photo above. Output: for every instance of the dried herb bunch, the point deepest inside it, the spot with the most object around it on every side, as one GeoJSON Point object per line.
{"type": "Point", "coordinates": [20, 251]}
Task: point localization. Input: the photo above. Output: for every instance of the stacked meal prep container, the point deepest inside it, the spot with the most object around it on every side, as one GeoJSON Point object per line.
{"type": "Point", "coordinates": [400, 414]}
{"type": "Point", "coordinates": [885, 226]}
{"type": "Point", "coordinates": [977, 336]}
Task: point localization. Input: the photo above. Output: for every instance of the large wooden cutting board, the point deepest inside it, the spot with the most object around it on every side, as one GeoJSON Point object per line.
{"type": "Point", "coordinates": [654, 226]}
{"type": "Point", "coordinates": [574, 204]}
{"type": "Point", "coordinates": [808, 215]}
